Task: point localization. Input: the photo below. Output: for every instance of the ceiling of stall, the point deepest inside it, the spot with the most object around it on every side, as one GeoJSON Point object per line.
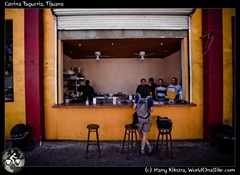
{"type": "Point", "coordinates": [115, 45]}
{"type": "Point", "coordinates": [121, 48]}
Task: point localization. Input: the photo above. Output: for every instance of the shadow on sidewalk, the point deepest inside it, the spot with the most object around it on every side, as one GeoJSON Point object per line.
{"type": "Point", "coordinates": [72, 153]}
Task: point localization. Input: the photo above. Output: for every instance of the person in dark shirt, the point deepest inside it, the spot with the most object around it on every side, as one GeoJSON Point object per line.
{"type": "Point", "coordinates": [152, 86]}
{"type": "Point", "coordinates": [88, 91]}
{"type": "Point", "coordinates": [143, 87]}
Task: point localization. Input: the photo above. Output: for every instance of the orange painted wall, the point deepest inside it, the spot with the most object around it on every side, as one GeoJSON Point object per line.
{"type": "Point", "coordinates": [70, 124]}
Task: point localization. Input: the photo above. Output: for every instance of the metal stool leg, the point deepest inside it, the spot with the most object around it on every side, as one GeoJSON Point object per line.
{"type": "Point", "coordinates": [87, 143]}
{"type": "Point", "coordinates": [98, 144]}
{"type": "Point", "coordinates": [128, 142]}
{"type": "Point", "coordinates": [132, 131]}
{"type": "Point", "coordinates": [161, 148]}
{"type": "Point", "coordinates": [135, 132]}
{"type": "Point", "coordinates": [123, 145]}
{"type": "Point", "coordinates": [166, 141]}
{"type": "Point", "coordinates": [157, 141]}
{"type": "Point", "coordinates": [129, 134]}
{"type": "Point", "coordinates": [171, 143]}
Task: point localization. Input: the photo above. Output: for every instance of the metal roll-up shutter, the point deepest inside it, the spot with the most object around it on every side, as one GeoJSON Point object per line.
{"type": "Point", "coordinates": [94, 19]}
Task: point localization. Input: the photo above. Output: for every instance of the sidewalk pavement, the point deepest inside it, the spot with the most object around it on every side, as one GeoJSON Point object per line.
{"type": "Point", "coordinates": [72, 154]}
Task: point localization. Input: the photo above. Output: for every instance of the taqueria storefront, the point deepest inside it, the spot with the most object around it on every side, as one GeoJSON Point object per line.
{"type": "Point", "coordinates": [43, 41]}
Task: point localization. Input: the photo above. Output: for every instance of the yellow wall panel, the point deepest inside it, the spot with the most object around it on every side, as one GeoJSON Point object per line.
{"type": "Point", "coordinates": [227, 65]}
{"type": "Point", "coordinates": [15, 111]}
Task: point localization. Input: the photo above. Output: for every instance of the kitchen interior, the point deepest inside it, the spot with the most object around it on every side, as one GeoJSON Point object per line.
{"type": "Point", "coordinates": [115, 67]}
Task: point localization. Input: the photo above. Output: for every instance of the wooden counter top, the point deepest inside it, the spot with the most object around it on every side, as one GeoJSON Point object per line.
{"type": "Point", "coordinates": [110, 105]}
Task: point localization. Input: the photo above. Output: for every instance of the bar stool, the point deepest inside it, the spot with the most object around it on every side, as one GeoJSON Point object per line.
{"type": "Point", "coordinates": [130, 133]}
{"type": "Point", "coordinates": [93, 128]}
{"type": "Point", "coordinates": [164, 126]}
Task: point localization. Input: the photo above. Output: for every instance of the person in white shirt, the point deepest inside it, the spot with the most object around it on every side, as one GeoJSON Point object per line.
{"type": "Point", "coordinates": [178, 87]}
{"type": "Point", "coordinates": [160, 91]}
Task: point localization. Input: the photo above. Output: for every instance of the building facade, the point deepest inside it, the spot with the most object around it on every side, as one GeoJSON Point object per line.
{"type": "Point", "coordinates": [207, 69]}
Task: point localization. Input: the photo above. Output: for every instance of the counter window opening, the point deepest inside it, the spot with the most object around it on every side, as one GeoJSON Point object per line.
{"type": "Point", "coordinates": [113, 75]}
{"type": "Point", "coordinates": [112, 36]}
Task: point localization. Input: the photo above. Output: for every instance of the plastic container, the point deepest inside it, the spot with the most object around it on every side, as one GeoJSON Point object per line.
{"type": "Point", "coordinates": [226, 139]}
{"type": "Point", "coordinates": [94, 100]}
{"type": "Point", "coordinates": [114, 100]}
{"type": "Point", "coordinates": [87, 102]}
{"type": "Point", "coordinates": [180, 95]}
{"type": "Point", "coordinates": [19, 135]}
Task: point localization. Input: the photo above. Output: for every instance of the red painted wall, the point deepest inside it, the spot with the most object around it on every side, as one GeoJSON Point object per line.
{"type": "Point", "coordinates": [212, 72]}
{"type": "Point", "coordinates": [33, 37]}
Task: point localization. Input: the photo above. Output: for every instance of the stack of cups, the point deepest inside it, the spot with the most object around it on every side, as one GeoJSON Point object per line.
{"type": "Point", "coordinates": [114, 100]}
{"type": "Point", "coordinates": [130, 97]}
{"type": "Point", "coordinates": [94, 101]}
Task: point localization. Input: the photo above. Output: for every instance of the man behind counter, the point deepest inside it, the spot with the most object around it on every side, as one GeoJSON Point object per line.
{"type": "Point", "coordinates": [142, 87]}
{"type": "Point", "coordinates": [88, 91]}
{"type": "Point", "coordinates": [178, 87]}
{"type": "Point", "coordinates": [152, 86]}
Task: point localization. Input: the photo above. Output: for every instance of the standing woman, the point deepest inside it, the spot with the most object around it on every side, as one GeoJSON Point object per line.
{"type": "Point", "coordinates": [144, 124]}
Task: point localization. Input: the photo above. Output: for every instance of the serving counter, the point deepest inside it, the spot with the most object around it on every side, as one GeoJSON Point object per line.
{"type": "Point", "coordinates": [111, 105]}
{"type": "Point", "coordinates": [69, 121]}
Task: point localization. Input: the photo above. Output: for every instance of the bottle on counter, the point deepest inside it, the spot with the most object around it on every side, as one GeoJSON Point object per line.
{"type": "Point", "coordinates": [114, 100]}
{"type": "Point", "coordinates": [67, 98]}
{"type": "Point", "coordinates": [180, 95]}
{"type": "Point", "coordinates": [87, 102]}
{"type": "Point", "coordinates": [94, 100]}
{"type": "Point", "coordinates": [130, 97]}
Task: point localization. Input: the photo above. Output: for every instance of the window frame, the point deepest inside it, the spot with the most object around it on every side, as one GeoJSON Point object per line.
{"type": "Point", "coordinates": [8, 60]}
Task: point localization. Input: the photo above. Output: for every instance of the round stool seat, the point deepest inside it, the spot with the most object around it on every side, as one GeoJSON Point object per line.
{"type": "Point", "coordinates": [93, 126]}
{"type": "Point", "coordinates": [130, 126]}
{"type": "Point", "coordinates": [164, 131]}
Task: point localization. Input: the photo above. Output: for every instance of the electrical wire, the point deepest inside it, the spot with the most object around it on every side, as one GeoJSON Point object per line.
{"type": "Point", "coordinates": [208, 44]}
